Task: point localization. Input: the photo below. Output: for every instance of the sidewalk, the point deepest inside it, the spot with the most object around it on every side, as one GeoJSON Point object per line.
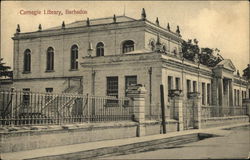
{"type": "Point", "coordinates": [92, 146]}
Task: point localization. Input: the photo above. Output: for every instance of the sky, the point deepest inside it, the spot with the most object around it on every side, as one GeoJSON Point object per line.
{"type": "Point", "coordinates": [222, 24]}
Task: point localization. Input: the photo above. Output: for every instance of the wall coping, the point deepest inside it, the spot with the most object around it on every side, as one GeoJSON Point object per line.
{"type": "Point", "coordinates": [37, 130]}
{"type": "Point", "coordinates": [224, 118]}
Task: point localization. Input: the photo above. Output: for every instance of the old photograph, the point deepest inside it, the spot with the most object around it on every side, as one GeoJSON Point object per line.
{"type": "Point", "coordinates": [124, 80]}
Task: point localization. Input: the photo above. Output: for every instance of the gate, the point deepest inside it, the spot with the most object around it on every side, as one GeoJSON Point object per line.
{"type": "Point", "coordinates": [188, 114]}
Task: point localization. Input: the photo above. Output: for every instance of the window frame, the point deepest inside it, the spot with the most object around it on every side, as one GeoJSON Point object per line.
{"type": "Point", "coordinates": [188, 84]}
{"type": "Point", "coordinates": [112, 102]}
{"type": "Point", "coordinates": [128, 47]}
{"type": "Point", "coordinates": [203, 93]}
{"type": "Point", "coordinates": [74, 57]}
{"type": "Point", "coordinates": [208, 93]}
{"type": "Point", "coordinates": [99, 49]}
{"type": "Point", "coordinates": [127, 80]}
{"type": "Point", "coordinates": [177, 83]}
{"type": "Point", "coordinates": [50, 59]}
{"type": "Point", "coordinates": [26, 97]}
{"type": "Point", "coordinates": [27, 61]}
{"type": "Point", "coordinates": [194, 86]}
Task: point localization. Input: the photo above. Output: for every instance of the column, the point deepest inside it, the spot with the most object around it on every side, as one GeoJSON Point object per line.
{"type": "Point", "coordinates": [137, 94]}
{"type": "Point", "coordinates": [214, 92]}
{"type": "Point", "coordinates": [230, 93]}
{"type": "Point", "coordinates": [220, 95]}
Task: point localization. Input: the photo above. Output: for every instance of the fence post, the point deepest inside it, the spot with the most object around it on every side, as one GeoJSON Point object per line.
{"type": "Point", "coordinates": [137, 94]}
{"type": "Point", "coordinates": [12, 107]}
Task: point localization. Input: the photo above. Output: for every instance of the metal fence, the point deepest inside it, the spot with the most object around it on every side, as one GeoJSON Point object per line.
{"type": "Point", "coordinates": [29, 108]}
{"type": "Point", "coordinates": [218, 111]}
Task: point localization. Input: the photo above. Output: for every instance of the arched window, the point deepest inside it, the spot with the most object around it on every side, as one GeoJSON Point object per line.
{"type": "Point", "coordinates": [152, 45]}
{"type": "Point", "coordinates": [74, 57]}
{"type": "Point", "coordinates": [100, 49]}
{"type": "Point", "coordinates": [175, 51]}
{"type": "Point", "coordinates": [27, 61]}
{"type": "Point", "coordinates": [164, 49]}
{"type": "Point", "coordinates": [50, 59]}
{"type": "Point", "coordinates": [128, 46]}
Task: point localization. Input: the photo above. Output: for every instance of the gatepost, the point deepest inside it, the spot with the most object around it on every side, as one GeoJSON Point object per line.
{"type": "Point", "coordinates": [137, 95]}
{"type": "Point", "coordinates": [177, 101]}
{"type": "Point", "coordinates": [196, 98]}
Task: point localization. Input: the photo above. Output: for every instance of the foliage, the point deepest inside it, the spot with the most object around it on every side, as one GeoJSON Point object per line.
{"type": "Point", "coordinates": [4, 70]}
{"type": "Point", "coordinates": [189, 50]}
{"type": "Point", "coordinates": [246, 72]}
{"type": "Point", "coordinates": [205, 56]}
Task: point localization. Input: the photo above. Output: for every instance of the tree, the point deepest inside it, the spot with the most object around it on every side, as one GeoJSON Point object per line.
{"type": "Point", "coordinates": [189, 49]}
{"type": "Point", "coordinates": [206, 56]}
{"type": "Point", "coordinates": [4, 70]}
{"type": "Point", "coordinates": [246, 72]}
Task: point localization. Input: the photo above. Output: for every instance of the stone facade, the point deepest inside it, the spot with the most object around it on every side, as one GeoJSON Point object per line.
{"type": "Point", "coordinates": [217, 86]}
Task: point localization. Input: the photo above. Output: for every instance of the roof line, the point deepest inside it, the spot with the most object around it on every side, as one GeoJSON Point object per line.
{"type": "Point", "coordinates": [96, 19]}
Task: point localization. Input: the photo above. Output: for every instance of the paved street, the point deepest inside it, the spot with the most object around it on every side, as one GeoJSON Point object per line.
{"type": "Point", "coordinates": [234, 144]}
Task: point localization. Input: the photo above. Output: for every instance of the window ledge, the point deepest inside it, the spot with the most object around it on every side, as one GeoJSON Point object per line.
{"type": "Point", "coordinates": [74, 70]}
{"type": "Point", "coordinates": [49, 71]}
{"type": "Point", "coordinates": [26, 72]}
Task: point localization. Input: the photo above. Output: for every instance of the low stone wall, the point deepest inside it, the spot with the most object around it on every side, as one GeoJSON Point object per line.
{"type": "Point", "coordinates": [15, 139]}
{"type": "Point", "coordinates": [221, 121]}
{"type": "Point", "coordinates": [155, 127]}
{"type": "Point", "coordinates": [20, 139]}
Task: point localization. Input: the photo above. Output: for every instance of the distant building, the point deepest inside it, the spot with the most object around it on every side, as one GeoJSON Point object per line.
{"type": "Point", "coordinates": [104, 56]}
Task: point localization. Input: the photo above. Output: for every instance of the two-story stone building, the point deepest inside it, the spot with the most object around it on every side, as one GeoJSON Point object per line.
{"type": "Point", "coordinates": [104, 56]}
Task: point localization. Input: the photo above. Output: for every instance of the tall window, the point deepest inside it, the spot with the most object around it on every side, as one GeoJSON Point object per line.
{"type": "Point", "coordinates": [170, 82]}
{"type": "Point", "coordinates": [188, 86]}
{"type": "Point", "coordinates": [129, 80]}
{"type": "Point", "coordinates": [203, 93]}
{"type": "Point", "coordinates": [50, 59]}
{"type": "Point", "coordinates": [27, 61]}
{"type": "Point", "coordinates": [26, 96]}
{"type": "Point", "coordinates": [128, 46]}
{"type": "Point", "coordinates": [238, 97]}
{"type": "Point", "coordinates": [74, 57]}
{"type": "Point", "coordinates": [48, 96]}
{"type": "Point", "coordinates": [208, 93]}
{"type": "Point", "coordinates": [194, 86]}
{"type": "Point", "coordinates": [152, 45]}
{"type": "Point", "coordinates": [177, 83]}
{"type": "Point", "coordinates": [100, 49]}
{"type": "Point", "coordinates": [164, 48]}
{"type": "Point", "coordinates": [235, 97]}
{"type": "Point", "coordinates": [112, 86]}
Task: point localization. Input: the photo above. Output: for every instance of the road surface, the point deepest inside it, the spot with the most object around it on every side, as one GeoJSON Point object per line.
{"type": "Point", "coordinates": [233, 144]}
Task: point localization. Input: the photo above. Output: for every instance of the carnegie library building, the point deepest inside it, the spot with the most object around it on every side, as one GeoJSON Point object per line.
{"type": "Point", "coordinates": [59, 71]}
